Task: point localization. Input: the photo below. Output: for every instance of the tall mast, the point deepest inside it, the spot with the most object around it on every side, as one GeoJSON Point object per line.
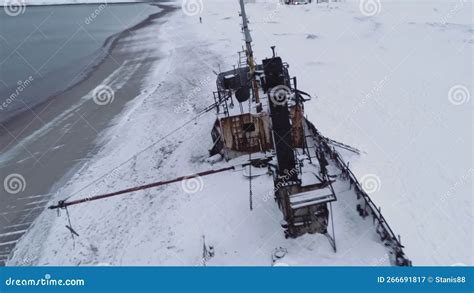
{"type": "Point", "coordinates": [249, 53]}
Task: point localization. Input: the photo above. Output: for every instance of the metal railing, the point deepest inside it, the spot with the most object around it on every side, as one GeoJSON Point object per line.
{"type": "Point", "coordinates": [383, 229]}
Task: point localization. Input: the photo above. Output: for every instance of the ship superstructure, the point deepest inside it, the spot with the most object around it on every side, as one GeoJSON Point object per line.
{"type": "Point", "coordinates": [260, 113]}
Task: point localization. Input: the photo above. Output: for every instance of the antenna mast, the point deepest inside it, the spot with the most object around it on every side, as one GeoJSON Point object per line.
{"type": "Point", "coordinates": [249, 53]}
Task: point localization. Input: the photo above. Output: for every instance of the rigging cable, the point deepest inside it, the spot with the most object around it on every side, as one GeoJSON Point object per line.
{"type": "Point", "coordinates": [199, 114]}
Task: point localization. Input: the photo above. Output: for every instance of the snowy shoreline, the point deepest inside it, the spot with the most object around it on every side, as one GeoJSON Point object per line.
{"type": "Point", "coordinates": [119, 70]}
{"type": "Point", "coordinates": [163, 226]}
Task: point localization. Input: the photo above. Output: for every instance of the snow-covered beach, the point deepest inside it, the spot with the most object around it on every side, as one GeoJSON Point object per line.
{"type": "Point", "coordinates": [382, 85]}
{"type": "Point", "coordinates": [52, 138]}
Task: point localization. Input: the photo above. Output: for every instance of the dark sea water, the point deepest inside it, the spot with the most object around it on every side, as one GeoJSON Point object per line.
{"type": "Point", "coordinates": [46, 49]}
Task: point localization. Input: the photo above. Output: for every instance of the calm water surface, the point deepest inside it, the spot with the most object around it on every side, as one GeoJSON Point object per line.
{"type": "Point", "coordinates": [47, 49]}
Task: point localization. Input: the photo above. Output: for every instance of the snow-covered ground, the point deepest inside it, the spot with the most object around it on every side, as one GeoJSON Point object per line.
{"type": "Point", "coordinates": [394, 84]}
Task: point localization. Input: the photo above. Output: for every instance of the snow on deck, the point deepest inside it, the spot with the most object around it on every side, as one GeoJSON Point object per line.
{"type": "Point", "coordinates": [244, 237]}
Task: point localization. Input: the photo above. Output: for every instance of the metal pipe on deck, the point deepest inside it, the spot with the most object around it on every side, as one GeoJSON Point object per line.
{"type": "Point", "coordinates": [64, 204]}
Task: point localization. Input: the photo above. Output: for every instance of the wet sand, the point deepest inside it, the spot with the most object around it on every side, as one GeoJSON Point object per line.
{"type": "Point", "coordinates": [49, 143]}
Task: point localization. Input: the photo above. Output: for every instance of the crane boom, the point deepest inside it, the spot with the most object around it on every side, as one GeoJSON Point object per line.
{"type": "Point", "coordinates": [249, 53]}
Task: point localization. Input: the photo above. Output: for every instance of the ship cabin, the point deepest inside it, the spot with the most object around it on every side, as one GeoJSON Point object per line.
{"type": "Point", "coordinates": [263, 114]}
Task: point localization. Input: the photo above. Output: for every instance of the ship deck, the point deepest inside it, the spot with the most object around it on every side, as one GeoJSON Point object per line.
{"type": "Point", "coordinates": [244, 237]}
